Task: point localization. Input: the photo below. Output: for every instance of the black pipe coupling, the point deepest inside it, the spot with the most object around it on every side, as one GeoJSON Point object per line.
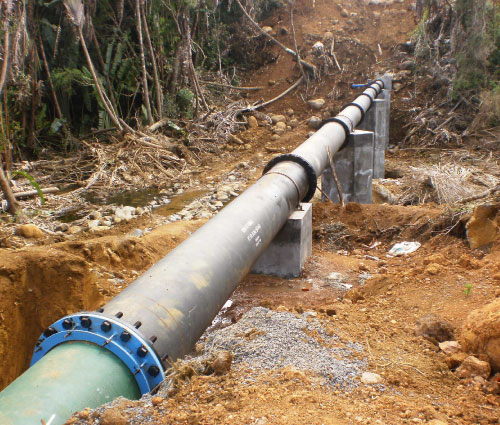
{"type": "Point", "coordinates": [347, 126]}
{"type": "Point", "coordinates": [312, 178]}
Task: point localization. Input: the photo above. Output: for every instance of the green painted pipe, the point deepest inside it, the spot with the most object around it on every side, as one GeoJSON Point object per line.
{"type": "Point", "coordinates": [69, 378]}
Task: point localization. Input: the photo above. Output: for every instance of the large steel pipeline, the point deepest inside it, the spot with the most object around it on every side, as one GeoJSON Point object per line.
{"type": "Point", "coordinates": [89, 358]}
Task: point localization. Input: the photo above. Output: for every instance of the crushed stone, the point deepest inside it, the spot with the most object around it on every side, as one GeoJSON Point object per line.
{"type": "Point", "coordinates": [267, 339]}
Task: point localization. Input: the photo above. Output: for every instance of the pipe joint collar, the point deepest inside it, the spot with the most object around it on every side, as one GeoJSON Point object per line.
{"type": "Point", "coordinates": [111, 334]}
{"type": "Point", "coordinates": [312, 178]}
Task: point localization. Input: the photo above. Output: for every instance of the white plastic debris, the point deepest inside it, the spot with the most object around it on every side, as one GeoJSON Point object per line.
{"type": "Point", "coordinates": [403, 248]}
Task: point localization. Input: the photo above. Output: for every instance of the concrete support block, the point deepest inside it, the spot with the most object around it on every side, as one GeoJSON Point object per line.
{"type": "Point", "coordinates": [386, 94]}
{"type": "Point", "coordinates": [287, 253]}
{"type": "Point", "coordinates": [354, 167]}
{"type": "Point", "coordinates": [376, 120]}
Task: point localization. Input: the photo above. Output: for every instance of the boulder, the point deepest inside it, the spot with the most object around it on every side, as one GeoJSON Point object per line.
{"type": "Point", "coordinates": [314, 122]}
{"type": "Point", "coordinates": [472, 367]}
{"type": "Point", "coordinates": [450, 347]}
{"type": "Point", "coordinates": [370, 378]}
{"type": "Point", "coordinates": [482, 228]}
{"type": "Point", "coordinates": [316, 104]}
{"type": "Point", "coordinates": [252, 122]}
{"type": "Point", "coordinates": [481, 333]}
{"type": "Point", "coordinates": [29, 231]}
{"type": "Point", "coordinates": [222, 362]}
{"type": "Point", "coordinates": [434, 328]}
{"type": "Point", "coordinates": [278, 118]}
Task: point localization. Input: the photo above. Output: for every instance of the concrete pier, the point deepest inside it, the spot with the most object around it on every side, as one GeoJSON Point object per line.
{"type": "Point", "coordinates": [287, 253]}
{"type": "Point", "coordinates": [375, 120]}
{"type": "Point", "coordinates": [354, 167]}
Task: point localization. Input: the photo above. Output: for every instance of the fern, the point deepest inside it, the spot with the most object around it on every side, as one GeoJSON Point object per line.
{"type": "Point", "coordinates": [32, 181]}
{"type": "Point", "coordinates": [109, 53]}
{"type": "Point", "coordinates": [118, 59]}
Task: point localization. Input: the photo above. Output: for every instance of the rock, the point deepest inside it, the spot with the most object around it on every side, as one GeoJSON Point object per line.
{"type": "Point", "coordinates": [140, 211]}
{"type": "Point", "coordinates": [283, 31]}
{"type": "Point", "coordinates": [335, 21]}
{"type": "Point", "coordinates": [397, 86]}
{"type": "Point", "coordinates": [222, 196]}
{"type": "Point", "coordinates": [271, 82]}
{"type": "Point", "coordinates": [252, 122]}
{"type": "Point", "coordinates": [123, 213]}
{"type": "Point", "coordinates": [294, 123]}
{"type": "Point", "coordinates": [29, 231]}
{"type": "Point", "coordinates": [450, 347]}
{"type": "Point", "coordinates": [370, 378]}
{"type": "Point", "coordinates": [316, 104]}
{"type": "Point", "coordinates": [222, 362]}
{"type": "Point", "coordinates": [433, 269]}
{"type": "Point", "coordinates": [455, 360]}
{"type": "Point", "coordinates": [433, 327]}
{"type": "Point", "coordinates": [267, 29]}
{"type": "Point", "coordinates": [436, 422]}
{"type": "Point", "coordinates": [73, 230]}
{"type": "Point", "coordinates": [290, 112]}
{"type": "Point", "coordinates": [331, 312]}
{"type": "Point", "coordinates": [136, 233]}
{"type": "Point", "coordinates": [92, 223]}
{"type": "Point", "coordinates": [275, 137]}
{"type": "Point", "coordinates": [63, 227]}
{"type": "Point", "coordinates": [97, 229]}
{"type": "Point", "coordinates": [482, 228]}
{"type": "Point", "coordinates": [481, 333]}
{"type": "Point", "coordinates": [344, 13]}
{"type": "Point", "coordinates": [318, 47]}
{"type": "Point", "coordinates": [95, 215]}
{"type": "Point", "coordinates": [113, 416]}
{"type": "Point", "coordinates": [279, 128]}
{"type": "Point", "coordinates": [472, 367]}
{"type": "Point", "coordinates": [328, 36]}
{"type": "Point", "coordinates": [407, 65]}
{"type": "Point", "coordinates": [278, 118]}
{"type": "Point", "coordinates": [218, 204]}
{"type": "Point", "coordinates": [106, 223]}
{"type": "Point", "coordinates": [314, 122]}
{"type": "Point", "coordinates": [155, 401]}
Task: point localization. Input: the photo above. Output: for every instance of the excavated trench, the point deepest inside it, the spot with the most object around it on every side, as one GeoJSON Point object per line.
{"type": "Point", "coordinates": [39, 285]}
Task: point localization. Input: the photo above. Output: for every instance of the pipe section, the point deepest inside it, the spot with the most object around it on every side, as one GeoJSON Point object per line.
{"type": "Point", "coordinates": [165, 311]}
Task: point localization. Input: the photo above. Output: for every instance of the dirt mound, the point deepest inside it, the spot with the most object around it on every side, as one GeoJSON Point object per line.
{"type": "Point", "coordinates": [481, 334]}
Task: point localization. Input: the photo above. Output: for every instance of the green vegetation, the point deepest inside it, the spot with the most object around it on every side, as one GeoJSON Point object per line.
{"type": "Point", "coordinates": [74, 66]}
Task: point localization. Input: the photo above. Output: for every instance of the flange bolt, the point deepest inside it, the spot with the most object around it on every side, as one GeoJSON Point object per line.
{"type": "Point", "coordinates": [141, 351]}
{"type": "Point", "coordinates": [67, 324]}
{"type": "Point", "coordinates": [125, 336]}
{"type": "Point", "coordinates": [154, 371]}
{"type": "Point", "coordinates": [85, 322]}
{"type": "Point", "coordinates": [49, 332]}
{"type": "Point", "coordinates": [106, 326]}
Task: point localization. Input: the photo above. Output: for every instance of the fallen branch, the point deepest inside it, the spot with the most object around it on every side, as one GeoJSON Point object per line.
{"type": "Point", "coordinates": [288, 90]}
{"type": "Point", "coordinates": [336, 178]}
{"type": "Point", "coordinates": [30, 193]}
{"type": "Point", "coordinates": [481, 195]}
{"type": "Point", "coordinates": [311, 68]}
{"type": "Point", "coordinates": [229, 86]}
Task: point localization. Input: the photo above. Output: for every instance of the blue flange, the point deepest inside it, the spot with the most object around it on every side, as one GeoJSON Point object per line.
{"type": "Point", "coordinates": [121, 339]}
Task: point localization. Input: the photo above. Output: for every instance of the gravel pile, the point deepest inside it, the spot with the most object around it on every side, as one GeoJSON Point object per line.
{"type": "Point", "coordinates": [266, 339]}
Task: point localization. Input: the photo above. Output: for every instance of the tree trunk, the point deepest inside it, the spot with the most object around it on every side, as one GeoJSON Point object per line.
{"type": "Point", "coordinates": [4, 184]}
{"type": "Point", "coordinates": [159, 97]}
{"type": "Point", "coordinates": [105, 101]}
{"type": "Point", "coordinates": [6, 52]}
{"type": "Point", "coordinates": [145, 89]}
